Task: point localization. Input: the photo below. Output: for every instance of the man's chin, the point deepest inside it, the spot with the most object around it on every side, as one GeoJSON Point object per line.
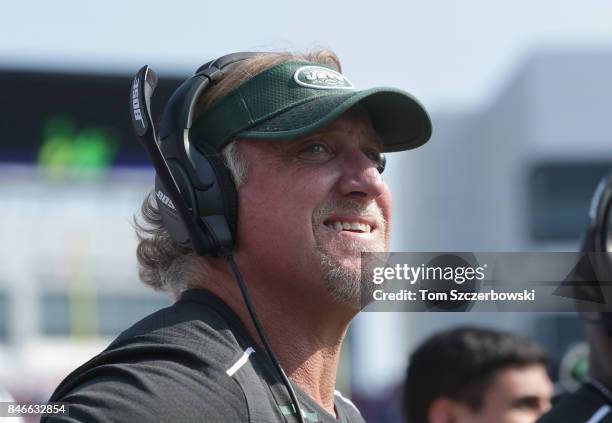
{"type": "Point", "coordinates": [342, 278]}
{"type": "Point", "coordinates": [349, 262]}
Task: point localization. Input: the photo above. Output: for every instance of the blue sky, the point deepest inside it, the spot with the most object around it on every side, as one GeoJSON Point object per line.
{"type": "Point", "coordinates": [450, 54]}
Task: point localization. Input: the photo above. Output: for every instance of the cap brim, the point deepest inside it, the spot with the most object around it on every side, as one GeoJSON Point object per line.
{"type": "Point", "coordinates": [397, 117]}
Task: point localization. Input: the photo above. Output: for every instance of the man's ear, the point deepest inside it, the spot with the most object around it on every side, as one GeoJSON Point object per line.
{"type": "Point", "coordinates": [442, 410]}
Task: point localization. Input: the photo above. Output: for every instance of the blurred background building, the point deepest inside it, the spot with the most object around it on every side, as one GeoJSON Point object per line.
{"type": "Point", "coordinates": [516, 175]}
{"type": "Point", "coordinates": [519, 95]}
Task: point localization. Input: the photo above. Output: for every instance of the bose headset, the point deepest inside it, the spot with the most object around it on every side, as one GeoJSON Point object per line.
{"type": "Point", "coordinates": [196, 195]}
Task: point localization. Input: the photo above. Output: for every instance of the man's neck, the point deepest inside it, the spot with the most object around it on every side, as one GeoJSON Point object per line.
{"type": "Point", "coordinates": [306, 334]}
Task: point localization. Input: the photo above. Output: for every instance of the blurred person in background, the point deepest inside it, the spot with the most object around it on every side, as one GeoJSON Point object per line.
{"type": "Point", "coordinates": [304, 150]}
{"type": "Point", "coordinates": [592, 402]}
{"type": "Point", "coordinates": [477, 375]}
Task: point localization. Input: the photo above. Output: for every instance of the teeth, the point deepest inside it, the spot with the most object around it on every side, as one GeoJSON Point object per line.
{"type": "Point", "coordinates": [358, 227]}
{"type": "Point", "coordinates": [351, 226]}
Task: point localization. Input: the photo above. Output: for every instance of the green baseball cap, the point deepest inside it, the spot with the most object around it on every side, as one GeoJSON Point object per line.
{"type": "Point", "coordinates": [295, 99]}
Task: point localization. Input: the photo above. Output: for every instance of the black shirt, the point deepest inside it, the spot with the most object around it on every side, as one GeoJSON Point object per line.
{"type": "Point", "coordinates": [585, 405]}
{"type": "Point", "coordinates": [191, 362]}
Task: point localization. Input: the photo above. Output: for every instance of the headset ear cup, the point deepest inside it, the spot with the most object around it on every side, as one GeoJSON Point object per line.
{"type": "Point", "coordinates": [205, 185]}
{"type": "Point", "coordinates": [229, 195]}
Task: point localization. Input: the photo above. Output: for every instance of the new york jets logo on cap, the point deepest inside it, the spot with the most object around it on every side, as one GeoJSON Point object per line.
{"type": "Point", "coordinates": [321, 78]}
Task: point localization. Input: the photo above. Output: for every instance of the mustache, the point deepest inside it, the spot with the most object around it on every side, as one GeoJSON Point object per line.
{"type": "Point", "coordinates": [348, 206]}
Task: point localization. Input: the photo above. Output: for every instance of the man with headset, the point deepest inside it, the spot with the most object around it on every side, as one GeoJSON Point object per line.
{"type": "Point", "coordinates": [592, 402]}
{"type": "Point", "coordinates": [268, 172]}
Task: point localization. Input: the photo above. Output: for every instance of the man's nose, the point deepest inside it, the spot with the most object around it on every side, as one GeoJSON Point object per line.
{"type": "Point", "coordinates": [360, 177]}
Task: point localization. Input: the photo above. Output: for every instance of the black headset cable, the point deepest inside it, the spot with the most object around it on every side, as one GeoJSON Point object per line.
{"type": "Point", "coordinates": [262, 335]}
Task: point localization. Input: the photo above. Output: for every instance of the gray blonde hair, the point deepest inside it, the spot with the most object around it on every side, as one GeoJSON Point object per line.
{"type": "Point", "coordinates": [164, 264]}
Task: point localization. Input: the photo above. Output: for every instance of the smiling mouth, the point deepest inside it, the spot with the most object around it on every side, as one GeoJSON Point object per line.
{"type": "Point", "coordinates": [350, 226]}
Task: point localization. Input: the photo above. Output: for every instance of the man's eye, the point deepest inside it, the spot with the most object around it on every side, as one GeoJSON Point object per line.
{"type": "Point", "coordinates": [315, 151]}
{"type": "Point", "coordinates": [316, 148]}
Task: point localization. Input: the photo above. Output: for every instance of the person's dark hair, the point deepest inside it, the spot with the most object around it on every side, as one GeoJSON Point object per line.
{"type": "Point", "coordinates": [460, 364]}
